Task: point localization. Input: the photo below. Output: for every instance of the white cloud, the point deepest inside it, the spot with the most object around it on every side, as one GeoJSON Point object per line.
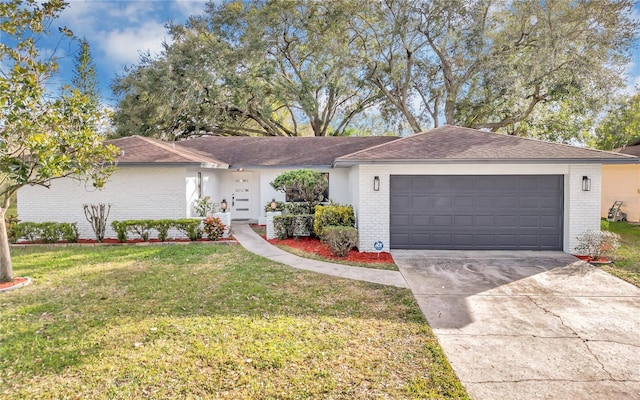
{"type": "Point", "coordinates": [123, 46]}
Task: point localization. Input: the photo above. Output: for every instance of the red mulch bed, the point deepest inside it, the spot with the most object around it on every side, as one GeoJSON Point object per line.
{"type": "Point", "coordinates": [315, 246]}
{"type": "Point", "coordinates": [16, 281]}
{"type": "Point", "coordinates": [589, 259]}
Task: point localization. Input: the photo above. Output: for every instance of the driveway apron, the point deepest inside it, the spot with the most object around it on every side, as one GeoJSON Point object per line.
{"type": "Point", "coordinates": [529, 325]}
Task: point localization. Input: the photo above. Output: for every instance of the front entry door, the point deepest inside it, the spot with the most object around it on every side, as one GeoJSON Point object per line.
{"type": "Point", "coordinates": [241, 204]}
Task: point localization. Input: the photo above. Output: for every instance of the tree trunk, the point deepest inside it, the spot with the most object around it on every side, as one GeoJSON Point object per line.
{"type": "Point", "coordinates": [6, 269]}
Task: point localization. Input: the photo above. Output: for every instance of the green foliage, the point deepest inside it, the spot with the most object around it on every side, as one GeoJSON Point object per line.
{"type": "Point", "coordinates": [213, 227]}
{"type": "Point", "coordinates": [303, 185]}
{"type": "Point", "coordinates": [190, 227]}
{"type": "Point", "coordinates": [11, 222]}
{"type": "Point", "coordinates": [120, 227]}
{"type": "Point", "coordinates": [272, 68]}
{"type": "Point", "coordinates": [290, 225]}
{"type": "Point", "coordinates": [204, 206]}
{"type": "Point", "coordinates": [332, 215]}
{"type": "Point", "coordinates": [162, 226]}
{"type": "Point", "coordinates": [620, 126]}
{"type": "Point", "coordinates": [341, 239]}
{"type": "Point", "coordinates": [280, 206]}
{"type": "Point", "coordinates": [46, 232]}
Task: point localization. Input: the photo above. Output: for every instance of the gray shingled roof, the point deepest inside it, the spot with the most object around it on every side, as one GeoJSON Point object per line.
{"type": "Point", "coordinates": [143, 150]}
{"type": "Point", "coordinates": [281, 151]}
{"type": "Point", "coordinates": [455, 144]}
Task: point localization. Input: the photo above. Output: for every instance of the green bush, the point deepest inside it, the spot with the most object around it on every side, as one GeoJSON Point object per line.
{"type": "Point", "coordinates": [140, 228]}
{"type": "Point", "coordinates": [46, 232]}
{"type": "Point", "coordinates": [302, 185]}
{"type": "Point", "coordinates": [213, 227]}
{"type": "Point", "coordinates": [190, 227]}
{"type": "Point", "coordinates": [205, 206]}
{"type": "Point", "coordinates": [283, 225]}
{"type": "Point", "coordinates": [280, 205]}
{"type": "Point", "coordinates": [120, 227]}
{"type": "Point", "coordinates": [341, 239]}
{"type": "Point", "coordinates": [296, 208]}
{"type": "Point", "coordinates": [162, 226]}
{"type": "Point", "coordinates": [289, 225]}
{"type": "Point", "coordinates": [333, 215]}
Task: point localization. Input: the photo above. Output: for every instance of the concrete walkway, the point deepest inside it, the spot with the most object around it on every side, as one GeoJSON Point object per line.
{"type": "Point", "coordinates": [257, 245]}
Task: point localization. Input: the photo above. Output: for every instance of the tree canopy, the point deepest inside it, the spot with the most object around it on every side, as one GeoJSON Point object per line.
{"type": "Point", "coordinates": [620, 126]}
{"type": "Point", "coordinates": [285, 67]}
{"type": "Point", "coordinates": [43, 136]}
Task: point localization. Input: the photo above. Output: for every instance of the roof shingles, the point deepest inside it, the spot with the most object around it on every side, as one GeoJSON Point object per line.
{"type": "Point", "coordinates": [452, 143]}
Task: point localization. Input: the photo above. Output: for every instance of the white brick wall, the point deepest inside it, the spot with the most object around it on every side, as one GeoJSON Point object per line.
{"type": "Point", "coordinates": [582, 209]}
{"type": "Point", "coordinates": [133, 192]}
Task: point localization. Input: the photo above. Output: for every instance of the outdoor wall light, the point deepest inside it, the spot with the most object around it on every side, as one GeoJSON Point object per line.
{"type": "Point", "coordinates": [586, 184]}
{"type": "Point", "coordinates": [274, 205]}
{"type": "Point", "coordinates": [376, 183]}
{"type": "Point", "coordinates": [223, 205]}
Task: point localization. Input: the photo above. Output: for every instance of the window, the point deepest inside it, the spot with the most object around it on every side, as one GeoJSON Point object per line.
{"type": "Point", "coordinates": [199, 183]}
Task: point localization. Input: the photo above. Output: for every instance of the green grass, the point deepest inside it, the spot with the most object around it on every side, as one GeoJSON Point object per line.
{"type": "Point", "coordinates": [627, 264]}
{"type": "Point", "coordinates": [203, 321]}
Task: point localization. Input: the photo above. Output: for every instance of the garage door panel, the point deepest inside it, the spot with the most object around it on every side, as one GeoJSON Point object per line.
{"type": "Point", "coordinates": [477, 212]}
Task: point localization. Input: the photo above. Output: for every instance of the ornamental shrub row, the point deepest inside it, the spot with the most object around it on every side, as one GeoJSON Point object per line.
{"type": "Point", "coordinates": [288, 225]}
{"type": "Point", "coordinates": [46, 232]}
{"type": "Point", "coordinates": [142, 228]}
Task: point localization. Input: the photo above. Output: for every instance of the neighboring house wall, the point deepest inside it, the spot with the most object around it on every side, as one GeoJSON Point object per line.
{"type": "Point", "coordinates": [621, 182]}
{"type": "Point", "coordinates": [581, 208]}
{"type": "Point", "coordinates": [133, 192]}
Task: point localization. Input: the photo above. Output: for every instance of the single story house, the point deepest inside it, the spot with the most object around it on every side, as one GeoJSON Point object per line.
{"type": "Point", "coordinates": [621, 182]}
{"type": "Point", "coordinates": [447, 188]}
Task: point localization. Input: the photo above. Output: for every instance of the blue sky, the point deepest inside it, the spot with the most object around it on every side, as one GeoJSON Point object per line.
{"type": "Point", "coordinates": [118, 30]}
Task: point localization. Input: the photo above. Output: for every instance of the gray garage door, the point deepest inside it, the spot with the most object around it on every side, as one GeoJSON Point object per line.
{"type": "Point", "coordinates": [523, 212]}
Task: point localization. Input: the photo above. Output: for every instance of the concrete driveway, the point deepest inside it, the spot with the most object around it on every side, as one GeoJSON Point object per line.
{"type": "Point", "coordinates": [529, 325]}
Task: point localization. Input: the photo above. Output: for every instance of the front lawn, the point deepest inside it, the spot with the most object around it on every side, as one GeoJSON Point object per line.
{"type": "Point", "coordinates": [627, 265]}
{"type": "Point", "coordinates": [207, 321]}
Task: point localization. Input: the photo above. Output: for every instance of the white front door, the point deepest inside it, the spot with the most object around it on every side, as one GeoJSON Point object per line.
{"type": "Point", "coordinates": [241, 198]}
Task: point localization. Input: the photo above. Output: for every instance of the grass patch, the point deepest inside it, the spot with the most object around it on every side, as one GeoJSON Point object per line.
{"type": "Point", "coordinates": [627, 264]}
{"type": "Point", "coordinates": [192, 321]}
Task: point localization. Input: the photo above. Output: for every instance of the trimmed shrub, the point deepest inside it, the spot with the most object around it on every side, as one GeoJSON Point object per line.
{"type": "Point", "coordinates": [190, 227]}
{"type": "Point", "coordinates": [213, 227]}
{"type": "Point", "coordinates": [47, 232]}
{"type": "Point", "coordinates": [341, 239]}
{"type": "Point", "coordinates": [283, 225]}
{"type": "Point", "coordinates": [333, 215]}
{"type": "Point", "coordinates": [140, 228]}
{"type": "Point", "coordinates": [296, 208]}
{"type": "Point", "coordinates": [120, 227]}
{"type": "Point", "coordinates": [288, 225]}
{"type": "Point", "coordinates": [162, 226]}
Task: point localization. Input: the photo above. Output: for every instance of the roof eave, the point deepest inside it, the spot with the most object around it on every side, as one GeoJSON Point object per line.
{"type": "Point", "coordinates": [172, 164]}
{"type": "Point", "coordinates": [350, 163]}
